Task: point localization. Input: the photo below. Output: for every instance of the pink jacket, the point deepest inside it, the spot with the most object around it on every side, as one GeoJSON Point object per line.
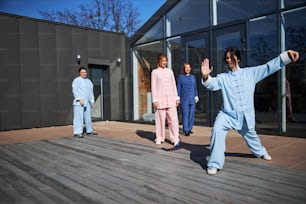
{"type": "Point", "coordinates": [163, 87]}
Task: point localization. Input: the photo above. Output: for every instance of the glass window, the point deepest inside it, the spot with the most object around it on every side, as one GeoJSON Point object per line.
{"type": "Point", "coordinates": [263, 46]}
{"type": "Point", "coordinates": [196, 48]}
{"type": "Point", "coordinates": [175, 54]}
{"type": "Point", "coordinates": [155, 33]}
{"type": "Point", "coordinates": [146, 61]}
{"type": "Point", "coordinates": [290, 3]}
{"type": "Point", "coordinates": [295, 38]}
{"type": "Point", "coordinates": [262, 39]}
{"type": "Point", "coordinates": [230, 10]}
{"type": "Point", "coordinates": [188, 16]}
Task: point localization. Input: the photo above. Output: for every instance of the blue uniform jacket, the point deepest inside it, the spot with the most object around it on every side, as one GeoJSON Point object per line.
{"type": "Point", "coordinates": [187, 88]}
{"type": "Point", "coordinates": [238, 89]}
{"type": "Point", "coordinates": [82, 88]}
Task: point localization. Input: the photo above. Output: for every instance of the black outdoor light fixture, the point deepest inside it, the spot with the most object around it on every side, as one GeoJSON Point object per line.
{"type": "Point", "coordinates": [78, 57]}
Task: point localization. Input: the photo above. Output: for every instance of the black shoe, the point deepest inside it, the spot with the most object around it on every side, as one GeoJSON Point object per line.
{"type": "Point", "coordinates": [78, 136]}
{"type": "Point", "coordinates": [190, 132]}
{"type": "Point", "coordinates": [92, 133]}
{"type": "Point", "coordinates": [186, 133]}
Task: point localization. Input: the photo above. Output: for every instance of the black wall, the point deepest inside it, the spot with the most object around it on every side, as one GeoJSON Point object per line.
{"type": "Point", "coordinates": [38, 64]}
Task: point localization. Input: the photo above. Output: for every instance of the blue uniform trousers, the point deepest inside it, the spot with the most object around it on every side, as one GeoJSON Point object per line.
{"type": "Point", "coordinates": [81, 114]}
{"type": "Point", "coordinates": [217, 141]}
{"type": "Point", "coordinates": [188, 116]}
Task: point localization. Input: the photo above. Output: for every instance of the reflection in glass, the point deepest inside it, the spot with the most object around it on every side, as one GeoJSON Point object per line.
{"type": "Point", "coordinates": [187, 16]}
{"type": "Point", "coordinates": [262, 48]}
{"type": "Point", "coordinates": [196, 50]}
{"type": "Point", "coordinates": [155, 33]}
{"type": "Point", "coordinates": [224, 38]}
{"type": "Point", "coordinates": [146, 61]}
{"type": "Point", "coordinates": [290, 3]}
{"type": "Point", "coordinates": [96, 78]}
{"type": "Point", "coordinates": [230, 39]}
{"type": "Point", "coordinates": [175, 55]}
{"type": "Point", "coordinates": [295, 38]}
{"type": "Point", "coordinates": [229, 10]}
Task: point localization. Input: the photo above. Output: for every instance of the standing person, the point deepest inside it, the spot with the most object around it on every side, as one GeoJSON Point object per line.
{"type": "Point", "coordinates": [187, 91]}
{"type": "Point", "coordinates": [82, 90]}
{"type": "Point", "coordinates": [237, 111]}
{"type": "Point", "coordinates": [165, 101]}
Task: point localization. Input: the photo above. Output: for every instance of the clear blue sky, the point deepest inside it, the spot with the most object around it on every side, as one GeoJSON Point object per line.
{"type": "Point", "coordinates": [30, 8]}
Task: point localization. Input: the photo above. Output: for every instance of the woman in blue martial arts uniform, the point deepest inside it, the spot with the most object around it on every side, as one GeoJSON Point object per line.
{"type": "Point", "coordinates": [187, 91]}
{"type": "Point", "coordinates": [237, 112]}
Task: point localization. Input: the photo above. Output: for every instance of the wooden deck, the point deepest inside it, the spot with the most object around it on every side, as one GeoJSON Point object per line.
{"type": "Point", "coordinates": [104, 170]}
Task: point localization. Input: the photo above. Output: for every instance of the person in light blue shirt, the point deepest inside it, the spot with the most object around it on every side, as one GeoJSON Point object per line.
{"type": "Point", "coordinates": [82, 90]}
{"type": "Point", "coordinates": [188, 93]}
{"type": "Point", "coordinates": [237, 112]}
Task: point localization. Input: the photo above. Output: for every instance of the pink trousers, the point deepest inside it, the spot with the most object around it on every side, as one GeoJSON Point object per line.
{"type": "Point", "coordinates": [173, 124]}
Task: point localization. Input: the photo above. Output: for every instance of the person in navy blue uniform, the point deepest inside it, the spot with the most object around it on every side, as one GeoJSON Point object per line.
{"type": "Point", "coordinates": [187, 91]}
{"type": "Point", "coordinates": [237, 112]}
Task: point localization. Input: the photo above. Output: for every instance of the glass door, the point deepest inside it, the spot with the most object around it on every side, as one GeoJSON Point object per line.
{"type": "Point", "coordinates": [98, 76]}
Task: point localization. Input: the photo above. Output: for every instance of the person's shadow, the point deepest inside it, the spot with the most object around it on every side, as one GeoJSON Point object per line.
{"type": "Point", "coordinates": [198, 152]}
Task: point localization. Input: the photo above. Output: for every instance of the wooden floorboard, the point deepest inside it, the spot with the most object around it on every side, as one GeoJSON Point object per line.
{"type": "Point", "coordinates": [97, 169]}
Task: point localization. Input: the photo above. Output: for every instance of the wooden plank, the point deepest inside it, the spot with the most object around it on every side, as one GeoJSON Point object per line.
{"type": "Point", "coordinates": [45, 174]}
{"type": "Point", "coordinates": [104, 170]}
{"type": "Point", "coordinates": [30, 185]}
{"type": "Point", "coordinates": [129, 176]}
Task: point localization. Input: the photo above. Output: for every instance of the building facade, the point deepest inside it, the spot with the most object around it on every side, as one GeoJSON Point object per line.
{"type": "Point", "coordinates": [188, 31]}
{"type": "Point", "coordinates": [39, 60]}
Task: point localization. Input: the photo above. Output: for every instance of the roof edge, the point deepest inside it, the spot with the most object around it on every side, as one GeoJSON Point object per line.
{"type": "Point", "coordinates": [168, 5]}
{"type": "Point", "coordinates": [57, 23]}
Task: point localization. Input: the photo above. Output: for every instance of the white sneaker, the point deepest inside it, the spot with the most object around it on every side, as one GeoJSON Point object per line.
{"type": "Point", "coordinates": [158, 142]}
{"type": "Point", "coordinates": [176, 144]}
{"type": "Point", "coordinates": [267, 157]}
{"type": "Point", "coordinates": [212, 170]}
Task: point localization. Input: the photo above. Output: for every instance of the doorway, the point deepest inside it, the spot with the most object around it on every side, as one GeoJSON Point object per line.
{"type": "Point", "coordinates": [99, 76]}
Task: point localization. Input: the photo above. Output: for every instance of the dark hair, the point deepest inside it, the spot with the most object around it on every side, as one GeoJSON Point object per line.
{"type": "Point", "coordinates": [161, 55]}
{"type": "Point", "coordinates": [82, 68]}
{"type": "Point", "coordinates": [233, 52]}
{"type": "Point", "coordinates": [183, 69]}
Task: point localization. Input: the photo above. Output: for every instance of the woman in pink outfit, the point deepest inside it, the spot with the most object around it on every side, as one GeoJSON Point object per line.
{"type": "Point", "coordinates": [165, 101]}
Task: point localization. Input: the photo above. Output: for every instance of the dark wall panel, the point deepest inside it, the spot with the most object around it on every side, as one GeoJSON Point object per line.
{"type": "Point", "coordinates": [79, 46]}
{"type": "Point", "coordinates": [13, 66]}
{"type": "Point", "coordinates": [65, 60]}
{"type": "Point", "coordinates": [65, 73]}
{"type": "Point", "coordinates": [115, 75]}
{"type": "Point", "coordinates": [93, 45]}
{"type": "Point", "coordinates": [105, 41]}
{"type": "Point", "coordinates": [4, 52]}
{"type": "Point", "coordinates": [48, 74]}
{"type": "Point", "coordinates": [64, 102]}
{"type": "Point", "coordinates": [30, 73]}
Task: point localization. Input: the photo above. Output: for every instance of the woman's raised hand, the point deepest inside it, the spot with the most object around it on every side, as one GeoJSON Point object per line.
{"type": "Point", "coordinates": [205, 68]}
